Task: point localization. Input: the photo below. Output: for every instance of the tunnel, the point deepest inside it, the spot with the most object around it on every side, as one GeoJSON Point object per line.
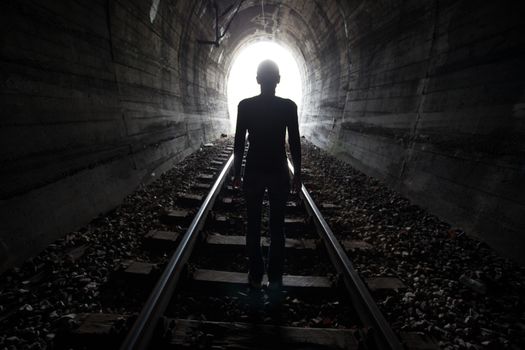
{"type": "Point", "coordinates": [101, 97]}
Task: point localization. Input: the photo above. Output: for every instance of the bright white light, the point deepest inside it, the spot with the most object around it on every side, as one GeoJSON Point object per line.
{"type": "Point", "coordinates": [242, 81]}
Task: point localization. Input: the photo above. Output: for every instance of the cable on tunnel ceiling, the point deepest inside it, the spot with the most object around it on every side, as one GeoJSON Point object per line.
{"type": "Point", "coordinates": [218, 34]}
{"type": "Point", "coordinates": [263, 16]}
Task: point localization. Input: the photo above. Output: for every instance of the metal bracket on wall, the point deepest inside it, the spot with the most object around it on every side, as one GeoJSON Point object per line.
{"type": "Point", "coordinates": [218, 34]}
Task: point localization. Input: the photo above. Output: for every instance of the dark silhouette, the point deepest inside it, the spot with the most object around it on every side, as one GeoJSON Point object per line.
{"type": "Point", "coordinates": [266, 117]}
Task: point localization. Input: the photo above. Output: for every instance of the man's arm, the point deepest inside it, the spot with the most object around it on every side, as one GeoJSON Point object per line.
{"type": "Point", "coordinates": [240, 139]}
{"type": "Point", "coordinates": [294, 140]}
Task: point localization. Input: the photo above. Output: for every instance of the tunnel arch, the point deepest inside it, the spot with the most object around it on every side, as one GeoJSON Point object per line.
{"type": "Point", "coordinates": [316, 40]}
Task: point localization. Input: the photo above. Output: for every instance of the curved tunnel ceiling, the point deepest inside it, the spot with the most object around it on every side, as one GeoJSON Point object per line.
{"type": "Point", "coordinates": [314, 32]}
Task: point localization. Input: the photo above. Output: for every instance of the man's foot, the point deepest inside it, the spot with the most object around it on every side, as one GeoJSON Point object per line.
{"type": "Point", "coordinates": [254, 283]}
{"type": "Point", "coordinates": [275, 282]}
{"type": "Point", "coordinates": [274, 286]}
{"type": "Point", "coordinates": [274, 290]}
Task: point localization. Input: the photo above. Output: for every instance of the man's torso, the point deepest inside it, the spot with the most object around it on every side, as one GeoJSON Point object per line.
{"type": "Point", "coordinates": [266, 119]}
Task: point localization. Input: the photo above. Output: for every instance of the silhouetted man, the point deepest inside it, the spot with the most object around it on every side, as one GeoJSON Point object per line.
{"type": "Point", "coordinates": [266, 117]}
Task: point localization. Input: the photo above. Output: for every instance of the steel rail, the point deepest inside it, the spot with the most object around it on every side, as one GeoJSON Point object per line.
{"type": "Point", "coordinates": [140, 334]}
{"type": "Point", "coordinates": [382, 335]}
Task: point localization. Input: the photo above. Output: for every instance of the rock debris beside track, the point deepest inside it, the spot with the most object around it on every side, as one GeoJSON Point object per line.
{"type": "Point", "coordinates": [457, 288]}
{"type": "Point", "coordinates": [70, 276]}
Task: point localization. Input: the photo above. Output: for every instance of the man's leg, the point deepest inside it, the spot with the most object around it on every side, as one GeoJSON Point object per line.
{"type": "Point", "coordinates": [254, 191]}
{"type": "Point", "coordinates": [278, 194]}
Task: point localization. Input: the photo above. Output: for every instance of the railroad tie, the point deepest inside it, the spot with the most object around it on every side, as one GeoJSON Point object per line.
{"type": "Point", "coordinates": [205, 177]}
{"type": "Point", "coordinates": [215, 281]}
{"type": "Point", "coordinates": [295, 224]}
{"type": "Point", "coordinates": [227, 243]}
{"type": "Point", "coordinates": [189, 199]}
{"type": "Point", "coordinates": [225, 335]}
{"type": "Point", "coordinates": [137, 274]}
{"type": "Point", "coordinates": [94, 329]}
{"type": "Point", "coordinates": [201, 186]}
{"type": "Point", "coordinates": [377, 284]}
{"type": "Point", "coordinates": [212, 169]}
{"type": "Point", "coordinates": [161, 241]}
{"type": "Point", "coordinates": [176, 216]}
{"type": "Point", "coordinates": [354, 245]}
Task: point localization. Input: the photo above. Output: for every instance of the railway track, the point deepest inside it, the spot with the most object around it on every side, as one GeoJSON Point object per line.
{"type": "Point", "coordinates": [201, 298]}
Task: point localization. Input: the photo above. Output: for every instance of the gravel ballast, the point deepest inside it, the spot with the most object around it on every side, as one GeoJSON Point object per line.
{"type": "Point", "coordinates": [43, 296]}
{"type": "Point", "coordinates": [458, 290]}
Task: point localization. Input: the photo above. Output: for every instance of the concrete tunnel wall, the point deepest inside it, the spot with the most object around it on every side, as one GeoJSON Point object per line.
{"type": "Point", "coordinates": [98, 95]}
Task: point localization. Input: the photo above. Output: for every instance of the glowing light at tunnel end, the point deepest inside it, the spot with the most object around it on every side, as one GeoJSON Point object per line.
{"type": "Point", "coordinates": [242, 76]}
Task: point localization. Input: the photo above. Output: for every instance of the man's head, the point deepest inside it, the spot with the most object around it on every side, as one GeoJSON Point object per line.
{"type": "Point", "coordinates": [268, 73]}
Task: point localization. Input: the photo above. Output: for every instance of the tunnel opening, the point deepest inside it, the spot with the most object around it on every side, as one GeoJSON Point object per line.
{"type": "Point", "coordinates": [241, 78]}
{"type": "Point", "coordinates": [114, 130]}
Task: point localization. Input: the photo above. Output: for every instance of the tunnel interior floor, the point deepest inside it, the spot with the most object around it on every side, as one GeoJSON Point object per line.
{"type": "Point", "coordinates": [456, 289]}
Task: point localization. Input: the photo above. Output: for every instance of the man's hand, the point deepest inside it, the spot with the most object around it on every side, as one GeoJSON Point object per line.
{"type": "Point", "coordinates": [296, 184]}
{"type": "Point", "coordinates": [237, 182]}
